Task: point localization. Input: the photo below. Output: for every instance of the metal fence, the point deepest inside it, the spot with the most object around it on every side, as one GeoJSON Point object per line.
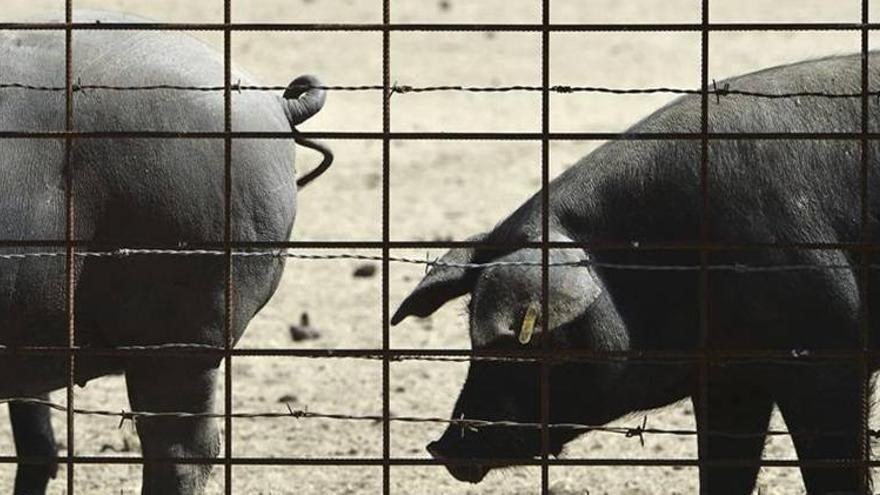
{"type": "Point", "coordinates": [72, 248]}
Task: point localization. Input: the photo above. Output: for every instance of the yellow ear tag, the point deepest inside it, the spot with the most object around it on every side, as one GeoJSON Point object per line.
{"type": "Point", "coordinates": [528, 324]}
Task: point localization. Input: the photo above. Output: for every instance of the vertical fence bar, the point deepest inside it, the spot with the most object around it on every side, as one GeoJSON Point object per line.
{"type": "Point", "coordinates": [545, 239]}
{"type": "Point", "coordinates": [386, 251]}
{"type": "Point", "coordinates": [701, 406]}
{"type": "Point", "coordinates": [227, 241]}
{"type": "Point", "coordinates": [864, 257]}
{"type": "Point", "coordinates": [70, 235]}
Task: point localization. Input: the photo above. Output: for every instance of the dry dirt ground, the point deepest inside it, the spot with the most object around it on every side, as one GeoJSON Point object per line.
{"type": "Point", "coordinates": [439, 190]}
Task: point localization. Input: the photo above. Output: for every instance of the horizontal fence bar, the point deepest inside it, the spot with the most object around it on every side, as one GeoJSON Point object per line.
{"type": "Point", "coordinates": [444, 135]}
{"type": "Point", "coordinates": [454, 355]}
{"type": "Point", "coordinates": [443, 27]}
{"type": "Point", "coordinates": [418, 461]}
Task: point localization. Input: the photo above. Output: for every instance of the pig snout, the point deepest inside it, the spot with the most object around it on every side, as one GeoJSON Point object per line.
{"type": "Point", "coordinates": [461, 469]}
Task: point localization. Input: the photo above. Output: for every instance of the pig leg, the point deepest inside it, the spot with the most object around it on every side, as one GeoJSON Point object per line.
{"type": "Point", "coordinates": [737, 409]}
{"type": "Point", "coordinates": [33, 435]}
{"type": "Point", "coordinates": [825, 422]}
{"type": "Point", "coordinates": [166, 385]}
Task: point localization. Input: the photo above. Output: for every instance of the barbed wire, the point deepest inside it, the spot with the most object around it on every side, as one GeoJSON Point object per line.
{"type": "Point", "coordinates": [284, 253]}
{"type": "Point", "coordinates": [238, 87]}
{"type": "Point", "coordinates": [465, 423]}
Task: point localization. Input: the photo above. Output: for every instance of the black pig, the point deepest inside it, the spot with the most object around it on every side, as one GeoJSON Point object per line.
{"type": "Point", "coordinates": [763, 190]}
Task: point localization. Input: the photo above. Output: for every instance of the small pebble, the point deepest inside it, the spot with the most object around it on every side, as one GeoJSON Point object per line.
{"type": "Point", "coordinates": [373, 181]}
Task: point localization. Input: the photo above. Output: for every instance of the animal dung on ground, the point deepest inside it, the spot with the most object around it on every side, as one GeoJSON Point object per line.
{"type": "Point", "coordinates": [304, 331]}
{"type": "Point", "coordinates": [366, 270]}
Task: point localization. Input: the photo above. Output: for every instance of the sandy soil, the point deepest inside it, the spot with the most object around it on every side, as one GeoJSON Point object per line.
{"type": "Point", "coordinates": [440, 190]}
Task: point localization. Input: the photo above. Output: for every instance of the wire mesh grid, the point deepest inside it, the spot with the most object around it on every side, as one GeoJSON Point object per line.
{"type": "Point", "coordinates": [71, 248]}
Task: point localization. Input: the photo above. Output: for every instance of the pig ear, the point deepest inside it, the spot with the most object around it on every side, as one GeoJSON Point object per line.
{"type": "Point", "coordinates": [441, 284]}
